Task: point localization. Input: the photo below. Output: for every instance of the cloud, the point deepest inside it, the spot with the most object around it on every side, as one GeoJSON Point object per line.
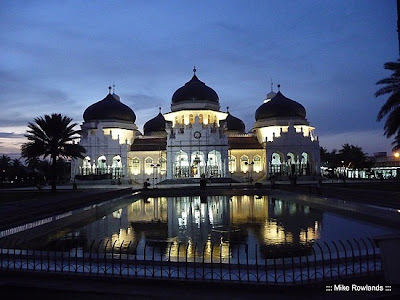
{"type": "Point", "coordinates": [10, 135]}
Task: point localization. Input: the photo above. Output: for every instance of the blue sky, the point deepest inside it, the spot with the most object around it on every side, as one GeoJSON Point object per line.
{"type": "Point", "coordinates": [61, 56]}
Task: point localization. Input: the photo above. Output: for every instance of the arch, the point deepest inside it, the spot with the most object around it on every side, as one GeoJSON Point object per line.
{"type": "Point", "coordinates": [197, 163]}
{"type": "Point", "coordinates": [232, 164]}
{"type": "Point", "coordinates": [257, 167]}
{"type": "Point", "coordinates": [244, 160]}
{"type": "Point", "coordinates": [214, 163]}
{"type": "Point", "coordinates": [102, 165]}
{"type": "Point", "coordinates": [176, 120]}
{"type": "Point", "coordinates": [276, 162]}
{"type": "Point", "coordinates": [191, 119]}
{"type": "Point", "coordinates": [116, 166]}
{"type": "Point", "coordinates": [148, 168]}
{"type": "Point", "coordinates": [291, 163]}
{"type": "Point", "coordinates": [163, 165]}
{"type": "Point", "coordinates": [182, 120]}
{"type": "Point", "coordinates": [306, 163]}
{"type": "Point", "coordinates": [136, 166]}
{"type": "Point", "coordinates": [181, 165]}
{"type": "Point", "coordinates": [86, 166]}
{"type": "Point", "coordinates": [201, 118]}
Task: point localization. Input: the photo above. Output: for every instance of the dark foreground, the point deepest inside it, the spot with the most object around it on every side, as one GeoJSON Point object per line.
{"type": "Point", "coordinates": [51, 286]}
{"type": "Point", "coordinates": [26, 206]}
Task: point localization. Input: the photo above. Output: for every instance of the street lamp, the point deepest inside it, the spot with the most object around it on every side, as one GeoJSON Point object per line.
{"type": "Point", "coordinates": [250, 176]}
{"type": "Point", "coordinates": [155, 167]}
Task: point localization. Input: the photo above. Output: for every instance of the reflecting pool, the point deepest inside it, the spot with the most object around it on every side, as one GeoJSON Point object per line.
{"type": "Point", "coordinates": [208, 226]}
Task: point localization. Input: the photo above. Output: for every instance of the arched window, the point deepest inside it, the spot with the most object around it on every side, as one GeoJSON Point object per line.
{"type": "Point", "coordinates": [176, 120]}
{"type": "Point", "coordinates": [244, 161]}
{"type": "Point", "coordinates": [136, 166]}
{"type": "Point", "coordinates": [163, 165]}
{"type": "Point", "coordinates": [86, 167]}
{"type": "Point", "coordinates": [201, 118]}
{"type": "Point", "coordinates": [183, 120]}
{"type": "Point", "coordinates": [148, 169]}
{"type": "Point", "coordinates": [116, 166]}
{"type": "Point", "coordinates": [208, 119]}
{"type": "Point", "coordinates": [102, 165]}
{"type": "Point", "coordinates": [232, 164]}
{"type": "Point", "coordinates": [191, 119]}
{"type": "Point", "coordinates": [257, 164]}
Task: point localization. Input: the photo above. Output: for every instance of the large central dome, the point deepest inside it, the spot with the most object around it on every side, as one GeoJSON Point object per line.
{"type": "Point", "coordinates": [280, 107]}
{"type": "Point", "coordinates": [110, 108]}
{"type": "Point", "coordinates": [195, 94]}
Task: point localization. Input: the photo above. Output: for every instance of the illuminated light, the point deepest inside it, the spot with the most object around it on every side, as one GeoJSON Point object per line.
{"type": "Point", "coordinates": [397, 155]}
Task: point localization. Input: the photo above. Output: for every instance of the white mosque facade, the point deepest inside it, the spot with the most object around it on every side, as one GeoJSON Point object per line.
{"type": "Point", "coordinates": [196, 139]}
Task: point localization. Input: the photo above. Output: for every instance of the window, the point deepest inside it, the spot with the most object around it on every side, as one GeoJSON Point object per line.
{"type": "Point", "coordinates": [244, 161]}
{"type": "Point", "coordinates": [232, 164]}
{"type": "Point", "coordinates": [201, 118]}
{"type": "Point", "coordinates": [136, 166]}
{"type": "Point", "coordinates": [163, 165]}
{"type": "Point", "coordinates": [148, 168]}
{"type": "Point", "coordinates": [257, 164]}
{"type": "Point", "coordinates": [191, 119]}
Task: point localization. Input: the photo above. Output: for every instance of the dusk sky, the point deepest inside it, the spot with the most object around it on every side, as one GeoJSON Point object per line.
{"type": "Point", "coordinates": [61, 56]}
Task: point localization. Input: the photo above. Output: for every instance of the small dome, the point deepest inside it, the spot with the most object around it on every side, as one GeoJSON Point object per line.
{"type": "Point", "coordinates": [195, 90]}
{"type": "Point", "coordinates": [280, 107]}
{"type": "Point", "coordinates": [234, 124]}
{"type": "Point", "coordinates": [110, 108]}
{"type": "Point", "coordinates": [269, 96]}
{"type": "Point", "coordinates": [154, 125]}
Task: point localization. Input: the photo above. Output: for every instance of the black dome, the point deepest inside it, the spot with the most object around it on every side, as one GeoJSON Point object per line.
{"type": "Point", "coordinates": [233, 123]}
{"type": "Point", "coordinates": [109, 109]}
{"type": "Point", "coordinates": [155, 124]}
{"type": "Point", "coordinates": [280, 107]}
{"type": "Point", "coordinates": [194, 90]}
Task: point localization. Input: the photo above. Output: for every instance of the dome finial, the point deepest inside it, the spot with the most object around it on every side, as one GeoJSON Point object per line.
{"type": "Point", "coordinates": [159, 109]}
{"type": "Point", "coordinates": [113, 87]}
{"type": "Point", "coordinates": [279, 87]}
{"type": "Point", "coordinates": [227, 109]}
{"type": "Point", "coordinates": [109, 89]}
{"type": "Point", "coordinates": [272, 86]}
{"type": "Point", "coordinates": [194, 70]}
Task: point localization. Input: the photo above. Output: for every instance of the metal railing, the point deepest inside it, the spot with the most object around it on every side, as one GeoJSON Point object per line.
{"type": "Point", "coordinates": [310, 263]}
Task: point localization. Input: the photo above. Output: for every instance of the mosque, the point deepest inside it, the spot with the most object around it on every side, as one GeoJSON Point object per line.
{"type": "Point", "coordinates": [196, 140]}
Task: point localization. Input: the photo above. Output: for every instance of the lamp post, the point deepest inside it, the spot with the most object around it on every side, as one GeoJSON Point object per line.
{"type": "Point", "coordinates": [155, 167]}
{"type": "Point", "coordinates": [250, 176]}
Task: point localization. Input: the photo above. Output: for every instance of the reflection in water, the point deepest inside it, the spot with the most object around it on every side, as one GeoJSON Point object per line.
{"type": "Point", "coordinates": [211, 228]}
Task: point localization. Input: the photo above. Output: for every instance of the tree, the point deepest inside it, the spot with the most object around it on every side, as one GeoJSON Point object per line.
{"type": "Point", "coordinates": [391, 108]}
{"type": "Point", "coordinates": [5, 163]}
{"type": "Point", "coordinates": [52, 136]}
{"type": "Point", "coordinates": [16, 172]}
{"type": "Point", "coordinates": [353, 157]}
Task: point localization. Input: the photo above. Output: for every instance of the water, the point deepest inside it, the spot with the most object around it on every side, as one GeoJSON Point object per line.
{"type": "Point", "coordinates": [208, 226]}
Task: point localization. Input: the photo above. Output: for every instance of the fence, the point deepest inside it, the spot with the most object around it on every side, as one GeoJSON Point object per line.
{"type": "Point", "coordinates": [309, 263]}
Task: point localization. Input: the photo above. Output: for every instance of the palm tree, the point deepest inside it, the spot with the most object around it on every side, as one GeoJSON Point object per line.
{"type": "Point", "coordinates": [5, 161]}
{"type": "Point", "coordinates": [391, 108]}
{"type": "Point", "coordinates": [52, 136]}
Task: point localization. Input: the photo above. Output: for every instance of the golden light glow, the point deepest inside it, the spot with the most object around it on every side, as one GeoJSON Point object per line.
{"type": "Point", "coordinates": [397, 154]}
{"type": "Point", "coordinates": [122, 135]}
{"type": "Point", "coordinates": [205, 116]}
